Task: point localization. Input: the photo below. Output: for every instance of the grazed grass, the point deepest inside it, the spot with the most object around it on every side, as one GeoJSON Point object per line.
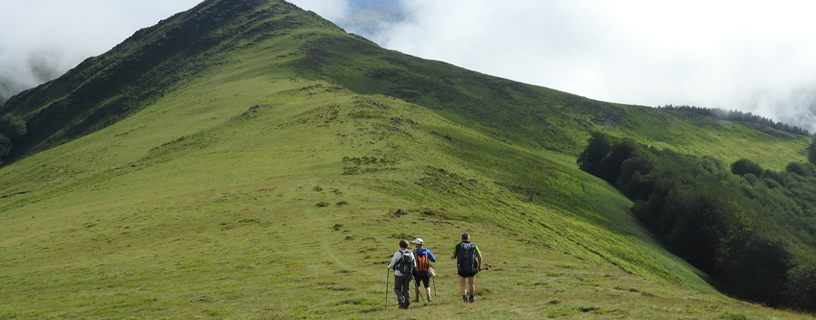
{"type": "Point", "coordinates": [134, 220]}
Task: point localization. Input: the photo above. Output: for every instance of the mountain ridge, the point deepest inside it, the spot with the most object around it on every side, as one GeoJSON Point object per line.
{"type": "Point", "coordinates": [508, 110]}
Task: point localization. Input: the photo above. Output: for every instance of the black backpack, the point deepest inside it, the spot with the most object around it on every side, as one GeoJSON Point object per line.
{"type": "Point", "coordinates": [466, 257]}
{"type": "Point", "coordinates": [406, 263]}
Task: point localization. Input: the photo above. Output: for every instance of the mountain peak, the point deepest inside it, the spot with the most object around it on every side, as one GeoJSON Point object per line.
{"type": "Point", "coordinates": [152, 62]}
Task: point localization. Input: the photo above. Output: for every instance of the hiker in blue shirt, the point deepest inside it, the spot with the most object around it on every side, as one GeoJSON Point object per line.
{"type": "Point", "coordinates": [423, 257]}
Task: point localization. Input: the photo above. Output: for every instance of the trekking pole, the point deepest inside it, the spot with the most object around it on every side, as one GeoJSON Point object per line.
{"type": "Point", "coordinates": [424, 303]}
{"type": "Point", "coordinates": [386, 287]}
{"type": "Point", "coordinates": [433, 279]}
{"type": "Point", "coordinates": [432, 272]}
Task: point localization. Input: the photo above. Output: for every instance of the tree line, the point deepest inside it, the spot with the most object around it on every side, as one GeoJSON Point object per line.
{"type": "Point", "coordinates": [733, 115]}
{"type": "Point", "coordinates": [12, 129]}
{"type": "Point", "coordinates": [752, 229]}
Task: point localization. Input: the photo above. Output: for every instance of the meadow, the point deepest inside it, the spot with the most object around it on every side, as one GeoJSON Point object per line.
{"type": "Point", "coordinates": [255, 174]}
{"type": "Point", "coordinates": [233, 216]}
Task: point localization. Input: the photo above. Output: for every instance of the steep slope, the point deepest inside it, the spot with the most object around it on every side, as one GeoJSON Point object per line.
{"type": "Point", "coordinates": [284, 207]}
{"type": "Point", "coordinates": [534, 116]}
{"type": "Point", "coordinates": [244, 189]}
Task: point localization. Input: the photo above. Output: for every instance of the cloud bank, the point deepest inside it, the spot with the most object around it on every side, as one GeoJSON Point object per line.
{"type": "Point", "coordinates": [42, 39]}
{"type": "Point", "coordinates": [735, 55]}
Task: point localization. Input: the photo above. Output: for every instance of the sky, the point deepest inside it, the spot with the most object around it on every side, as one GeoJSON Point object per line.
{"type": "Point", "coordinates": [752, 56]}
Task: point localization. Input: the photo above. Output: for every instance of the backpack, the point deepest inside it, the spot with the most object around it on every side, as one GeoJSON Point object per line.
{"type": "Point", "coordinates": [466, 257]}
{"type": "Point", "coordinates": [406, 263]}
{"type": "Point", "coordinates": [422, 261]}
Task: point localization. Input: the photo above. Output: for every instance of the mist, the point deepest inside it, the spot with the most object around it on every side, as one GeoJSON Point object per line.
{"type": "Point", "coordinates": [29, 70]}
{"type": "Point", "coordinates": [42, 39]}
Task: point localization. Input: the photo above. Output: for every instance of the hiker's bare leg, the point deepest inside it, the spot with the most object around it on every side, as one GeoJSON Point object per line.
{"type": "Point", "coordinates": [428, 291]}
{"type": "Point", "coordinates": [462, 285]}
{"type": "Point", "coordinates": [471, 285]}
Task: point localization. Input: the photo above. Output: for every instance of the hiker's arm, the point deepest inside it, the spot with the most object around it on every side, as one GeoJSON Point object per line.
{"type": "Point", "coordinates": [479, 257]}
{"type": "Point", "coordinates": [394, 260]}
{"type": "Point", "coordinates": [433, 259]}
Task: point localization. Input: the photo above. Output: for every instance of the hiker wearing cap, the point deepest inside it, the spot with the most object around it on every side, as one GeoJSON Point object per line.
{"type": "Point", "coordinates": [424, 257]}
{"type": "Point", "coordinates": [404, 266]}
{"type": "Point", "coordinates": [468, 263]}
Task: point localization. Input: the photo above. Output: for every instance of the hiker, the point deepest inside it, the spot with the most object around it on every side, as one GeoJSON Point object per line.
{"type": "Point", "coordinates": [466, 255]}
{"type": "Point", "coordinates": [424, 257]}
{"type": "Point", "coordinates": [404, 266]}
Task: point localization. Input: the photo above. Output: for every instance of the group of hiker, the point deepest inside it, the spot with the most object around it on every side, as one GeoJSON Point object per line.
{"type": "Point", "coordinates": [415, 265]}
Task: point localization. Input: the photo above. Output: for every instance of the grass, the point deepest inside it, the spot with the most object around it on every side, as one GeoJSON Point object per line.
{"type": "Point", "coordinates": [134, 220]}
{"type": "Point", "coordinates": [265, 185]}
{"type": "Point", "coordinates": [535, 117]}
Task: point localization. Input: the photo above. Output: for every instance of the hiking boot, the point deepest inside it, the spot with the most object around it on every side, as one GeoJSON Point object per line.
{"type": "Point", "coordinates": [464, 297]}
{"type": "Point", "coordinates": [472, 298]}
{"type": "Point", "coordinates": [401, 306]}
{"type": "Point", "coordinates": [407, 305]}
{"type": "Point", "coordinates": [429, 298]}
{"type": "Point", "coordinates": [416, 299]}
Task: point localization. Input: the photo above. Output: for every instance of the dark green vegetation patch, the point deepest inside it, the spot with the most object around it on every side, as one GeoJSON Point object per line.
{"type": "Point", "coordinates": [752, 228]}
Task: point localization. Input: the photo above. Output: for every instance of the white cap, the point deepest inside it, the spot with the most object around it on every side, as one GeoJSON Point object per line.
{"type": "Point", "coordinates": [418, 241]}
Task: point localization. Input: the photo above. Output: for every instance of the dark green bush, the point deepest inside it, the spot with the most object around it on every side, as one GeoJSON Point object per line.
{"type": "Point", "coordinates": [744, 166]}
{"type": "Point", "coordinates": [12, 126]}
{"type": "Point", "coordinates": [811, 151]}
{"type": "Point", "coordinates": [590, 159]}
{"type": "Point", "coordinates": [802, 169]}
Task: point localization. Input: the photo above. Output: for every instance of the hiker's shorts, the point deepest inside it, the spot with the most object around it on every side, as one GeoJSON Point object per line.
{"type": "Point", "coordinates": [465, 274]}
{"type": "Point", "coordinates": [423, 277]}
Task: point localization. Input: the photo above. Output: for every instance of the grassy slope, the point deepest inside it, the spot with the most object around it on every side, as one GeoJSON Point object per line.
{"type": "Point", "coordinates": [534, 116]}
{"type": "Point", "coordinates": [133, 220]}
{"type": "Point", "coordinates": [191, 209]}
{"type": "Point", "coordinates": [727, 141]}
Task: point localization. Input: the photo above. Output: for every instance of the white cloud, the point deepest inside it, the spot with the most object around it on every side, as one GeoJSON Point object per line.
{"type": "Point", "coordinates": [332, 10]}
{"type": "Point", "coordinates": [41, 39]}
{"type": "Point", "coordinates": [746, 55]}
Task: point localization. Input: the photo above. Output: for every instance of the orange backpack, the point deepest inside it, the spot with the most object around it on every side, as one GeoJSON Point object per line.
{"type": "Point", "coordinates": [422, 261]}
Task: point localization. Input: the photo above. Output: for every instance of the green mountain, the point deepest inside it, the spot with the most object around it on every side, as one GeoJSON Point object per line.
{"type": "Point", "coordinates": [248, 159]}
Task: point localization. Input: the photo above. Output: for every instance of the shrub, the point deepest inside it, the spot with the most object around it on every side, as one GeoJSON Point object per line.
{"type": "Point", "coordinates": [5, 145]}
{"type": "Point", "coordinates": [590, 159]}
{"type": "Point", "coordinates": [802, 169]}
{"type": "Point", "coordinates": [811, 151]}
{"type": "Point", "coordinates": [12, 126]}
{"type": "Point", "coordinates": [801, 287]}
{"type": "Point", "coordinates": [744, 166]}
